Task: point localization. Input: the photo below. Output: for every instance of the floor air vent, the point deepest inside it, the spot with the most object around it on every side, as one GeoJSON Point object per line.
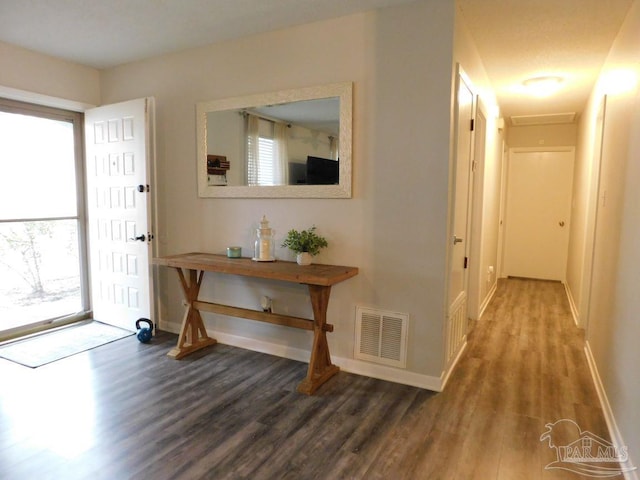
{"type": "Point", "coordinates": [381, 337]}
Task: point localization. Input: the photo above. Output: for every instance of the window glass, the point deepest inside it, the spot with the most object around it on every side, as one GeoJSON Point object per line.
{"type": "Point", "coordinates": [37, 165]}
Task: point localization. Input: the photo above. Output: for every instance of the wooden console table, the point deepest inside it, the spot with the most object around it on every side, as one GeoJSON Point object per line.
{"type": "Point", "coordinates": [318, 278]}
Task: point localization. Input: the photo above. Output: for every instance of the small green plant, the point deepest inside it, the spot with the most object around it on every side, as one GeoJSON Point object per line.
{"type": "Point", "coordinates": [305, 241]}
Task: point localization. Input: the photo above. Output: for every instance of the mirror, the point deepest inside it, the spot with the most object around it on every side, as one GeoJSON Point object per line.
{"type": "Point", "coordinates": [286, 144]}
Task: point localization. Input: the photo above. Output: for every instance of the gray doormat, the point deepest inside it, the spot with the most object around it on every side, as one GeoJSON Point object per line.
{"type": "Point", "coordinates": [47, 347]}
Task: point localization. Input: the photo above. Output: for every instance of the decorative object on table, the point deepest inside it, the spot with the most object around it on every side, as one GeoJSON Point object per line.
{"type": "Point", "coordinates": [305, 244]}
{"type": "Point", "coordinates": [265, 246]}
{"type": "Point", "coordinates": [144, 333]}
{"type": "Point", "coordinates": [234, 252]}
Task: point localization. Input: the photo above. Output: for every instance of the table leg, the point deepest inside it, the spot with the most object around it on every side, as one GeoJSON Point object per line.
{"type": "Point", "coordinates": [193, 335]}
{"type": "Point", "coordinates": [320, 367]}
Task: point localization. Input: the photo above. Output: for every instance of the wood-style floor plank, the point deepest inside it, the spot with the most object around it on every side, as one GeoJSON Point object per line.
{"type": "Point", "coordinates": [127, 411]}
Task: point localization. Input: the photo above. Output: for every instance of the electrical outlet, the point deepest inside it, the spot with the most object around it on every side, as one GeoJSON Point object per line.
{"type": "Point", "coordinates": [490, 274]}
{"type": "Point", "coordinates": [266, 303]}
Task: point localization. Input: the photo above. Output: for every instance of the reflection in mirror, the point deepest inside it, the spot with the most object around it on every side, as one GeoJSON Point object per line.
{"type": "Point", "coordinates": [295, 143]}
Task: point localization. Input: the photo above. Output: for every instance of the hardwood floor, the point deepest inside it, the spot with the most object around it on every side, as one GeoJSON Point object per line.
{"type": "Point", "coordinates": [127, 411]}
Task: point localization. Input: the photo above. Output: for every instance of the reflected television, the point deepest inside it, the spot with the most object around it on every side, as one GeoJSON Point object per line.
{"type": "Point", "coordinates": [322, 171]}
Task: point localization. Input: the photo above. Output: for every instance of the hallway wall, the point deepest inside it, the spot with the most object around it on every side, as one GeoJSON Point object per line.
{"type": "Point", "coordinates": [543, 136]}
{"type": "Point", "coordinates": [613, 325]}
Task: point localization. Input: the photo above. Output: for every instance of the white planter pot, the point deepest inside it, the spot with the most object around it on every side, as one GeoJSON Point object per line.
{"type": "Point", "coordinates": [303, 258]}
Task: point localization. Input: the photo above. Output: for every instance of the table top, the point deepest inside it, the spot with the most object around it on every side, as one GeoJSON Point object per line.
{"type": "Point", "coordinates": [314, 274]}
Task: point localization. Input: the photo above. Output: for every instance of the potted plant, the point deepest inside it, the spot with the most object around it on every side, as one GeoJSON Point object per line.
{"type": "Point", "coordinates": [306, 244]}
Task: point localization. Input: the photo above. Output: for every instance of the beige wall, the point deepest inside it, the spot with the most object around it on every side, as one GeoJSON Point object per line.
{"type": "Point", "coordinates": [543, 136]}
{"type": "Point", "coordinates": [393, 228]}
{"type": "Point", "coordinates": [584, 198]}
{"type": "Point", "coordinates": [36, 73]}
{"type": "Point", "coordinates": [612, 312]}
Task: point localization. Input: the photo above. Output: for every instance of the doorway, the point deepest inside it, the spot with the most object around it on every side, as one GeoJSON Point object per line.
{"type": "Point", "coordinates": [538, 210]}
{"type": "Point", "coordinates": [53, 232]}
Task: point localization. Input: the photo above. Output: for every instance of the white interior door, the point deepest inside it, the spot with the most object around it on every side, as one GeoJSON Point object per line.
{"type": "Point", "coordinates": [459, 240]}
{"type": "Point", "coordinates": [458, 248]}
{"type": "Point", "coordinates": [118, 143]}
{"type": "Point", "coordinates": [477, 284]}
{"type": "Point", "coordinates": [539, 191]}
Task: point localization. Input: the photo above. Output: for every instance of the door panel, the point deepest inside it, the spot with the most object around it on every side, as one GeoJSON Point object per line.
{"type": "Point", "coordinates": [119, 211]}
{"type": "Point", "coordinates": [539, 190]}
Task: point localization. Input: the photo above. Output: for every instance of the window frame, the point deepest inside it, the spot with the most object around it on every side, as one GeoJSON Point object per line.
{"type": "Point", "coordinates": [77, 120]}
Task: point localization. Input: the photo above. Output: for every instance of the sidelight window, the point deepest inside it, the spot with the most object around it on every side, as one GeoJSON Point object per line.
{"type": "Point", "coordinates": [42, 247]}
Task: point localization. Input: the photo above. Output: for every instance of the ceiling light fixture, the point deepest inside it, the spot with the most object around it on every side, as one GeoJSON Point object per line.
{"type": "Point", "coordinates": [543, 86]}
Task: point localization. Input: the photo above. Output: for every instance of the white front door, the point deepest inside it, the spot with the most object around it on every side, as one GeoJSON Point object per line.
{"type": "Point", "coordinates": [539, 191]}
{"type": "Point", "coordinates": [118, 165]}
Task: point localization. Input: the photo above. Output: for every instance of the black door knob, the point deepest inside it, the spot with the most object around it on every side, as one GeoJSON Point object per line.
{"type": "Point", "coordinates": [140, 238]}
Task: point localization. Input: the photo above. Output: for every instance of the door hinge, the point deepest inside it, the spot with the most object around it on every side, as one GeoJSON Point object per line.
{"type": "Point", "coordinates": [466, 262]}
{"type": "Point", "coordinates": [472, 124]}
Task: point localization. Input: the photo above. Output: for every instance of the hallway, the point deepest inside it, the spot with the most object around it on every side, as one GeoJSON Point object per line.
{"type": "Point", "coordinates": [127, 411]}
{"type": "Point", "coordinates": [524, 367]}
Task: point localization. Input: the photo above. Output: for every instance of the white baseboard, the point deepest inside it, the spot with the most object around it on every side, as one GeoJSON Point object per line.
{"type": "Point", "coordinates": [389, 374]}
{"type": "Point", "coordinates": [614, 432]}
{"type": "Point", "coordinates": [444, 378]}
{"type": "Point", "coordinates": [572, 305]}
{"type": "Point", "coordinates": [488, 299]}
{"type": "Point", "coordinates": [349, 365]}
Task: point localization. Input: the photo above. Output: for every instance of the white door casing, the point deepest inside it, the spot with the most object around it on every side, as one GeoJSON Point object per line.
{"type": "Point", "coordinates": [119, 210]}
{"type": "Point", "coordinates": [538, 210]}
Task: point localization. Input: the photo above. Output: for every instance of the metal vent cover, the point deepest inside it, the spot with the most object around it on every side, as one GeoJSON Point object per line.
{"type": "Point", "coordinates": [381, 336]}
{"type": "Point", "coordinates": [547, 119]}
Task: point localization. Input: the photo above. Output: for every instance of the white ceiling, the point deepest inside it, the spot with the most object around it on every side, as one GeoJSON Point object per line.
{"type": "Point", "coordinates": [516, 38]}
{"type": "Point", "coordinates": [105, 33]}
{"type": "Point", "coordinates": [519, 39]}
